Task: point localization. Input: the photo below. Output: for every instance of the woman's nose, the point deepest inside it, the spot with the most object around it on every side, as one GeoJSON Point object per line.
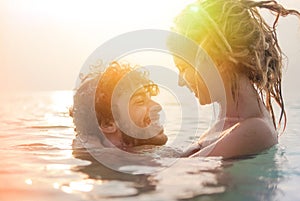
{"type": "Point", "coordinates": [181, 81]}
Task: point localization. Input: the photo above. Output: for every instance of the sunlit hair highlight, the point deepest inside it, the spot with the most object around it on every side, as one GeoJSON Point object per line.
{"type": "Point", "coordinates": [240, 41]}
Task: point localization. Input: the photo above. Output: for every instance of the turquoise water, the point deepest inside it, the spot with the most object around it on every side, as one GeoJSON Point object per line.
{"type": "Point", "coordinates": [38, 161]}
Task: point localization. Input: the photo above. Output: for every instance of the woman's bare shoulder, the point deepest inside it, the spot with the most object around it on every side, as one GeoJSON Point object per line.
{"type": "Point", "coordinates": [257, 128]}
{"type": "Point", "coordinates": [247, 137]}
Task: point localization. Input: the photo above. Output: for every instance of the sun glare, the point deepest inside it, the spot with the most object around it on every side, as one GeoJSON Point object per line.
{"type": "Point", "coordinates": [62, 100]}
{"type": "Point", "coordinates": [53, 38]}
{"type": "Point", "coordinates": [107, 11]}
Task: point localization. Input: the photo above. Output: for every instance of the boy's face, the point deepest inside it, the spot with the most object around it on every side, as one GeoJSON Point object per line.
{"type": "Point", "coordinates": [138, 118]}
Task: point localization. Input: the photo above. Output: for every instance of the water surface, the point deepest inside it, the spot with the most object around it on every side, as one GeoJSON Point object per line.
{"type": "Point", "coordinates": [38, 161]}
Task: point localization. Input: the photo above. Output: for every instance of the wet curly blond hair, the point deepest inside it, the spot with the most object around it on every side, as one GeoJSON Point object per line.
{"type": "Point", "coordinates": [240, 41]}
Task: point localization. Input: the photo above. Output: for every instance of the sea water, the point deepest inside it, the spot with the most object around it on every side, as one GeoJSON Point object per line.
{"type": "Point", "coordinates": [38, 161]}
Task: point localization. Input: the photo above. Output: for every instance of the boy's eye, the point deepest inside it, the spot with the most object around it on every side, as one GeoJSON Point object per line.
{"type": "Point", "coordinates": [139, 100]}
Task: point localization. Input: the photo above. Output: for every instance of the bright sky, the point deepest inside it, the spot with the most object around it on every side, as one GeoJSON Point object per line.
{"type": "Point", "coordinates": [43, 44]}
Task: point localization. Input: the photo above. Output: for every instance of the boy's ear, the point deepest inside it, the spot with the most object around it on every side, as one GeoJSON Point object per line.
{"type": "Point", "coordinates": [108, 127]}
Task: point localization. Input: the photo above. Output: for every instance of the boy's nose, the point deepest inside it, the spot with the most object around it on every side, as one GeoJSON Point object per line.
{"type": "Point", "coordinates": [154, 114]}
{"type": "Point", "coordinates": [156, 105]}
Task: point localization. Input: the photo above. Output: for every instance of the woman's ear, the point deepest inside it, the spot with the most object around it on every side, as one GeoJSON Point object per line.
{"type": "Point", "coordinates": [108, 127]}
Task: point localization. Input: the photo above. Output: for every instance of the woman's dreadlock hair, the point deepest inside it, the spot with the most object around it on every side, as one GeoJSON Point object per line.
{"type": "Point", "coordinates": [240, 41]}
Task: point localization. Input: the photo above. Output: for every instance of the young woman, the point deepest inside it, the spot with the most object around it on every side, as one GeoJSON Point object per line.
{"type": "Point", "coordinates": [244, 49]}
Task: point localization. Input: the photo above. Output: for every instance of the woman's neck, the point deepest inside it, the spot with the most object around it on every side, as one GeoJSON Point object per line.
{"type": "Point", "coordinates": [245, 104]}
